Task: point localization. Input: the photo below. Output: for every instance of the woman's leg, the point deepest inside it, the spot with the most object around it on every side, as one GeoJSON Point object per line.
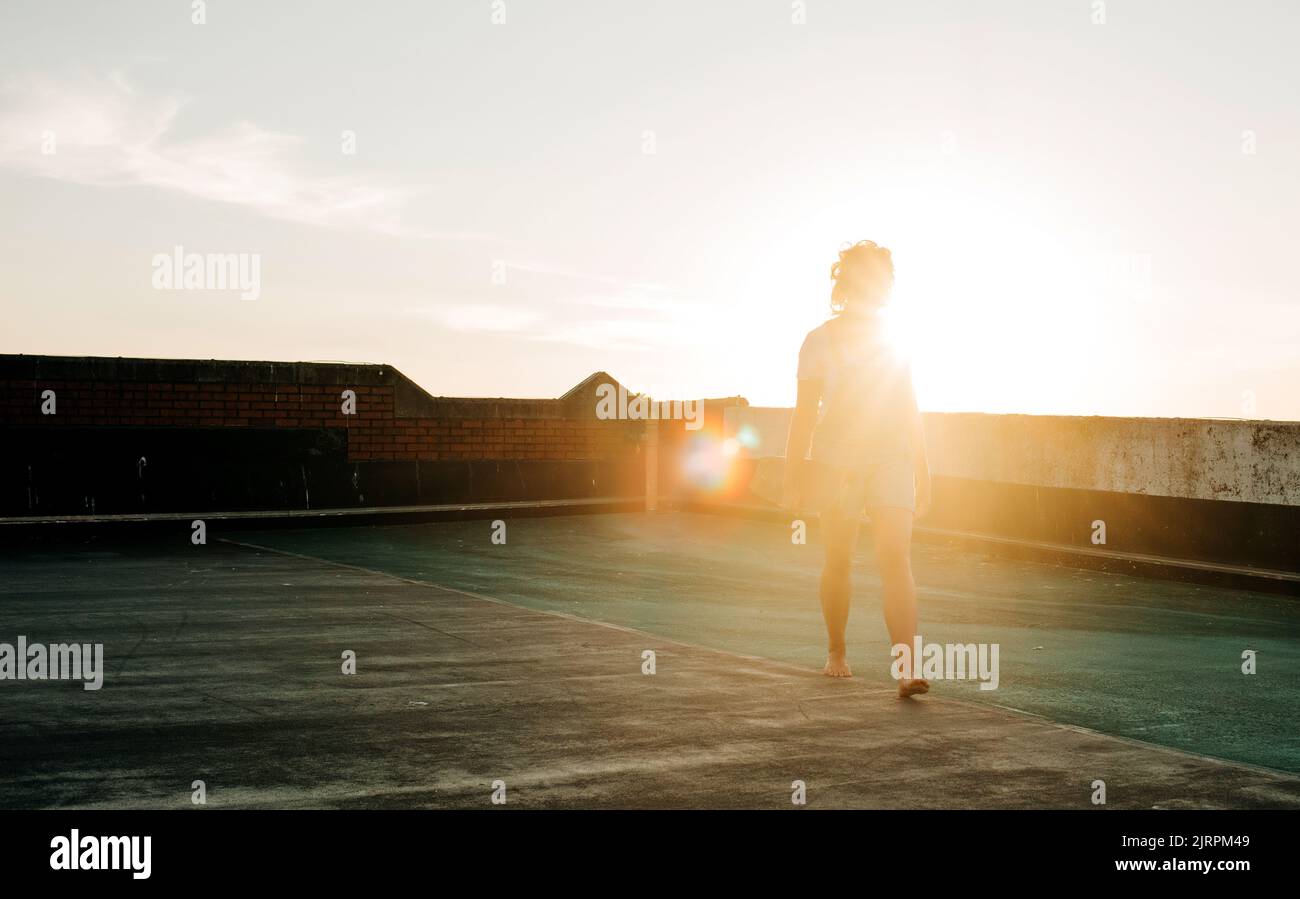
{"type": "Point", "coordinates": [841, 535]}
{"type": "Point", "coordinates": [891, 530]}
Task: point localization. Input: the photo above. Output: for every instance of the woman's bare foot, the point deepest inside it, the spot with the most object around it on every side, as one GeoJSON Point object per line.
{"type": "Point", "coordinates": [837, 665]}
{"type": "Point", "coordinates": [912, 687]}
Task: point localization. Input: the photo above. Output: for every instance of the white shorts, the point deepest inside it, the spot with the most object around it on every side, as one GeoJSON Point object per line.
{"type": "Point", "coordinates": [888, 481]}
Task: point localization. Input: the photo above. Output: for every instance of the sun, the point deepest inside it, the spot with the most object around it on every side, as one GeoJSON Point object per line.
{"type": "Point", "coordinates": [987, 305]}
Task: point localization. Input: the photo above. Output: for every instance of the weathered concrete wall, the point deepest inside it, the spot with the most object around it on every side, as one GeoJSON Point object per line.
{"type": "Point", "coordinates": [1220, 492]}
{"type": "Point", "coordinates": [1241, 461]}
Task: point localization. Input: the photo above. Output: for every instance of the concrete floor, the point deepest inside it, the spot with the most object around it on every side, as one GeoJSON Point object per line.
{"type": "Point", "coordinates": [1156, 661]}
{"type": "Point", "coordinates": [224, 666]}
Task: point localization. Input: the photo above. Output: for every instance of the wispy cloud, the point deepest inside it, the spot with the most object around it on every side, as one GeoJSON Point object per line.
{"type": "Point", "coordinates": [107, 134]}
{"type": "Point", "coordinates": [568, 274]}
{"type": "Point", "coordinates": [480, 317]}
{"type": "Point", "coordinates": [618, 321]}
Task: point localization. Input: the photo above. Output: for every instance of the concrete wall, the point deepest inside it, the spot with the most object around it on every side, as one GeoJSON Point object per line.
{"type": "Point", "coordinates": [1243, 461]}
{"type": "Point", "coordinates": [1221, 492]}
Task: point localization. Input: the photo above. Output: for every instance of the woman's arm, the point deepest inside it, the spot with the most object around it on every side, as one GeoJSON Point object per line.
{"type": "Point", "coordinates": [796, 445]}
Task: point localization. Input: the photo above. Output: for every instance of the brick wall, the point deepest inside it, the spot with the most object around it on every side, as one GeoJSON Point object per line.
{"type": "Point", "coordinates": [269, 420]}
{"type": "Point", "coordinates": [405, 438]}
{"type": "Point", "coordinates": [374, 431]}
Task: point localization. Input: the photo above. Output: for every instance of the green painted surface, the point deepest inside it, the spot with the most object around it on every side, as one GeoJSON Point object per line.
{"type": "Point", "coordinates": [1152, 660]}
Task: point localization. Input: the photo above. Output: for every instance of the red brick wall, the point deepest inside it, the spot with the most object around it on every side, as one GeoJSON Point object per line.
{"type": "Point", "coordinates": [410, 438]}
{"type": "Point", "coordinates": [374, 432]}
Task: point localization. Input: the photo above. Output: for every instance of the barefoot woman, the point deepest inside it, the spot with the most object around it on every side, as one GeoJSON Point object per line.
{"type": "Point", "coordinates": [857, 410]}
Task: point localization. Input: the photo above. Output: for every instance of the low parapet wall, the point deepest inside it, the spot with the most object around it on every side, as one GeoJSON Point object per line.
{"type": "Point", "coordinates": [97, 437]}
{"type": "Point", "coordinates": [1240, 461]}
{"type": "Point", "coordinates": [1226, 492]}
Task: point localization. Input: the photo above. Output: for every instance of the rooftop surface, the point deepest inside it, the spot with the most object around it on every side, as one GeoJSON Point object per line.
{"type": "Point", "coordinates": [522, 662]}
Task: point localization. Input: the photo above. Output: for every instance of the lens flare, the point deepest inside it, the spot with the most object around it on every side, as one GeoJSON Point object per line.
{"type": "Point", "coordinates": [707, 463]}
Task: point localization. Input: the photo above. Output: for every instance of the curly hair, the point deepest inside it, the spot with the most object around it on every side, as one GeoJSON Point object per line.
{"type": "Point", "coordinates": [864, 251]}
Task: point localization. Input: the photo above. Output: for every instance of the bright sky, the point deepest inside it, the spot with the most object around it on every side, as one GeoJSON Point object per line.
{"type": "Point", "coordinates": [1086, 218]}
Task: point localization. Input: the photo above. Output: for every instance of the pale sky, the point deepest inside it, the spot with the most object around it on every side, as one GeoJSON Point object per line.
{"type": "Point", "coordinates": [1085, 218]}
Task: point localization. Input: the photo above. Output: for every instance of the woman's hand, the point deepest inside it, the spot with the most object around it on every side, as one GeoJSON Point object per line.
{"type": "Point", "coordinates": [802, 423]}
{"type": "Point", "coordinates": [922, 494]}
{"type": "Point", "coordinates": [790, 498]}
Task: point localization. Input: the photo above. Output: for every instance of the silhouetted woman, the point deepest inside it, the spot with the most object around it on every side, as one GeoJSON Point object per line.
{"type": "Point", "coordinates": [857, 410]}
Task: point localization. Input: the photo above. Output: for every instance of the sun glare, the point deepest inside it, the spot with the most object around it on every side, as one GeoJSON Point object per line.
{"type": "Point", "coordinates": [990, 285]}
